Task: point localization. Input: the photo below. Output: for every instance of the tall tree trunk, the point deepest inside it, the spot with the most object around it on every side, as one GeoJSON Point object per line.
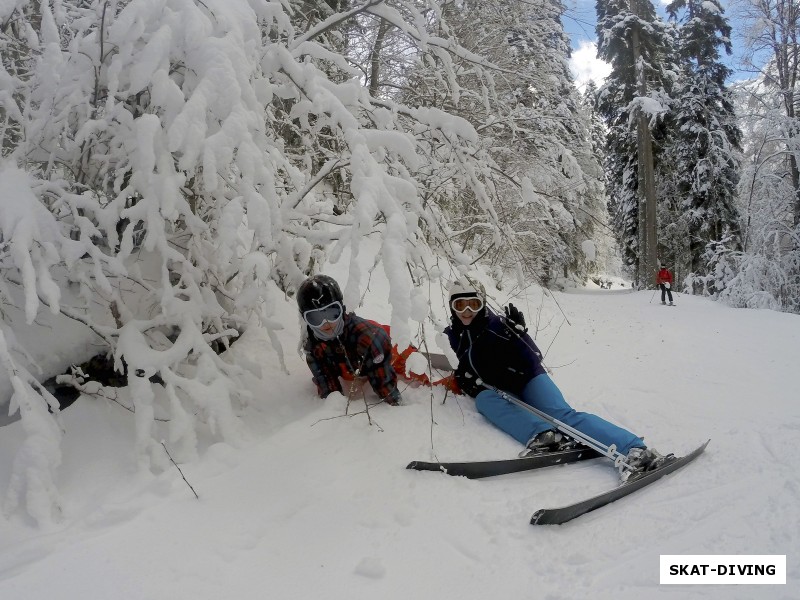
{"type": "Point", "coordinates": [375, 58]}
{"type": "Point", "coordinates": [796, 180]}
{"type": "Point", "coordinates": [651, 236]}
{"type": "Point", "coordinates": [647, 182]}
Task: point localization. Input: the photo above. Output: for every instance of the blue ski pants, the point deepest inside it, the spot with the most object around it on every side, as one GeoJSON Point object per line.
{"type": "Point", "coordinates": [543, 394]}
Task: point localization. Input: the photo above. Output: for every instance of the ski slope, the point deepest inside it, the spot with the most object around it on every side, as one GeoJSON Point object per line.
{"type": "Point", "coordinates": [316, 504]}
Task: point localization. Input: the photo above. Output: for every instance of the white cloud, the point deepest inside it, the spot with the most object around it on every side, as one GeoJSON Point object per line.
{"type": "Point", "coordinates": [585, 65]}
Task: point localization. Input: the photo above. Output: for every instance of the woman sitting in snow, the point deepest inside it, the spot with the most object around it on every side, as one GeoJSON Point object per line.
{"type": "Point", "coordinates": [497, 351]}
{"type": "Point", "coordinates": [341, 344]}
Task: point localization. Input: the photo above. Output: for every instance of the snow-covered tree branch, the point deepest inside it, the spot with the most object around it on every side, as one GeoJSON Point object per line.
{"type": "Point", "coordinates": [181, 165]}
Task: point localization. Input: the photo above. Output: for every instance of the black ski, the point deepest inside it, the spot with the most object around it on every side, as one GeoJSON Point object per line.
{"type": "Point", "coordinates": [490, 468]}
{"type": "Point", "coordinates": [557, 516]}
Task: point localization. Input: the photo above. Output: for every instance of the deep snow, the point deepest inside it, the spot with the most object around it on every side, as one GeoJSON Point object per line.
{"type": "Point", "coordinates": [314, 504]}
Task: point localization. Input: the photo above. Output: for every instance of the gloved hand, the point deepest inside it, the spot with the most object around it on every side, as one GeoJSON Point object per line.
{"type": "Point", "coordinates": [468, 383]}
{"type": "Point", "coordinates": [666, 285]}
{"type": "Point", "coordinates": [450, 383]}
{"type": "Point", "coordinates": [515, 318]}
{"type": "Point", "coordinates": [394, 399]}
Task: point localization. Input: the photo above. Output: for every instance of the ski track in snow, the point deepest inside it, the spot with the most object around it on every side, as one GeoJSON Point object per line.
{"type": "Point", "coordinates": [315, 504]}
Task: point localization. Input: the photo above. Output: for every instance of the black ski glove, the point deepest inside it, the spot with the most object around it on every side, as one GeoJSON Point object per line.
{"type": "Point", "coordinates": [394, 398]}
{"type": "Point", "coordinates": [515, 318]}
{"type": "Point", "coordinates": [468, 383]}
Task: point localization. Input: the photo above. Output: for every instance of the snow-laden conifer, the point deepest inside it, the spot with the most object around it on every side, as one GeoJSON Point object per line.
{"type": "Point", "coordinates": [705, 139]}
{"type": "Point", "coordinates": [636, 89]}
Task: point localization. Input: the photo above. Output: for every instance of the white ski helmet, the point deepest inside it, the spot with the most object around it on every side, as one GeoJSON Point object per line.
{"type": "Point", "coordinates": [463, 288]}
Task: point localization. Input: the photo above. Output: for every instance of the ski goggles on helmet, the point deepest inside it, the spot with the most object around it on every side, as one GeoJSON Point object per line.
{"type": "Point", "coordinates": [317, 316]}
{"type": "Point", "coordinates": [459, 305]}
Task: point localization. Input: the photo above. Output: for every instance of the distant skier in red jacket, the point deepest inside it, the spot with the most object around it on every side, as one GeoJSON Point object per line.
{"type": "Point", "coordinates": [664, 281]}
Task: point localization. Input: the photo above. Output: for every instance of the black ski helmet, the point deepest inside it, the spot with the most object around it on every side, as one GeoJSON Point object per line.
{"type": "Point", "coordinates": [318, 291]}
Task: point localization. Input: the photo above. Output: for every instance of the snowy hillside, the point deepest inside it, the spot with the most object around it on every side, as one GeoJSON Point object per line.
{"type": "Point", "coordinates": [314, 504]}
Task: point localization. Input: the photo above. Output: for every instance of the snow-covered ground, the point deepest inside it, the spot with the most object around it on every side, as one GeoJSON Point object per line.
{"type": "Point", "coordinates": [314, 504]}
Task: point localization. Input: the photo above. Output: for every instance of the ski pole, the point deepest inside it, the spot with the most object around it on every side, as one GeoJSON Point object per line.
{"type": "Point", "coordinates": [653, 296]}
{"type": "Point", "coordinates": [620, 461]}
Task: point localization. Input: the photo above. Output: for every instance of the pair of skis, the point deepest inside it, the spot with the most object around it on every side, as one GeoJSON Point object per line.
{"type": "Point", "coordinates": [557, 516]}
{"type": "Point", "coordinates": [554, 516]}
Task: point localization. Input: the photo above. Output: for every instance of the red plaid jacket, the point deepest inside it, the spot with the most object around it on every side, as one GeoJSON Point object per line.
{"type": "Point", "coordinates": [364, 346]}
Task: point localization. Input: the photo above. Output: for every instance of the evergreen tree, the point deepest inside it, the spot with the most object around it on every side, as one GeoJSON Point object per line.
{"type": "Point", "coordinates": [533, 128]}
{"type": "Point", "coordinates": [597, 127]}
{"type": "Point", "coordinates": [638, 46]}
{"type": "Point", "coordinates": [608, 259]}
{"type": "Point", "coordinates": [556, 131]}
{"type": "Point", "coordinates": [706, 136]}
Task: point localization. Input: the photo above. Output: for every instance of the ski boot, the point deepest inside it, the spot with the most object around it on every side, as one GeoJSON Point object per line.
{"type": "Point", "coordinates": [546, 441]}
{"type": "Point", "coordinates": [643, 461]}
